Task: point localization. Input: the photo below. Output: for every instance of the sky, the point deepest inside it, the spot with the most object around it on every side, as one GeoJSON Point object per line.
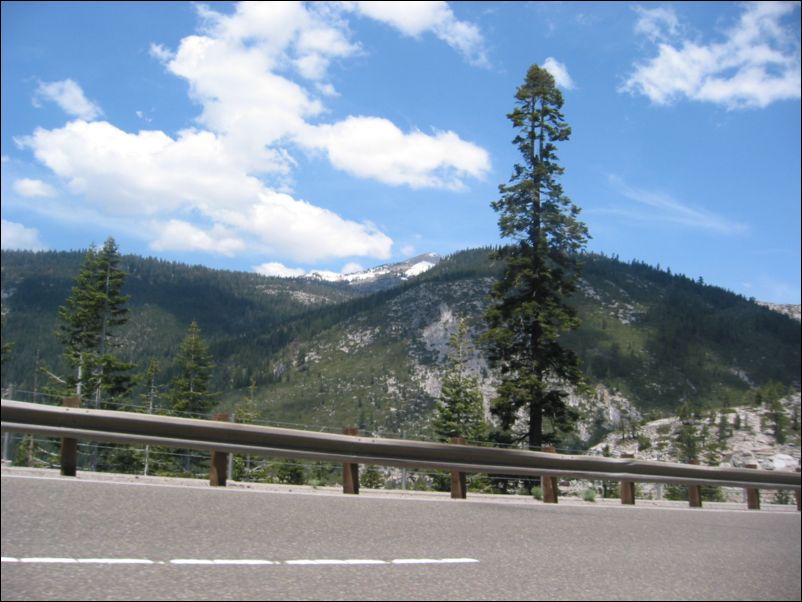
{"type": "Point", "coordinates": [285, 138]}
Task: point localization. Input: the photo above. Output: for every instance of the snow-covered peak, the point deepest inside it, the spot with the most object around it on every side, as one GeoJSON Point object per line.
{"type": "Point", "coordinates": [388, 272]}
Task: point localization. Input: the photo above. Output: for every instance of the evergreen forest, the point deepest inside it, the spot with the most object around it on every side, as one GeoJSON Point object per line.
{"type": "Point", "coordinates": [327, 354]}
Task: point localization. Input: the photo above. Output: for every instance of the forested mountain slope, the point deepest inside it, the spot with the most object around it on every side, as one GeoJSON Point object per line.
{"type": "Point", "coordinates": [329, 353]}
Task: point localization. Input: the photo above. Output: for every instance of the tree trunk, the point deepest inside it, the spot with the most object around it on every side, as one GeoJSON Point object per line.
{"type": "Point", "coordinates": [535, 425]}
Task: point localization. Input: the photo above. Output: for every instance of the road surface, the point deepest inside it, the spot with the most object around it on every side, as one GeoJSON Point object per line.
{"type": "Point", "coordinates": [78, 539]}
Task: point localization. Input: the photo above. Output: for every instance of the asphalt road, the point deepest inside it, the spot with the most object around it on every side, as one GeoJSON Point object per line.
{"type": "Point", "coordinates": [77, 539]}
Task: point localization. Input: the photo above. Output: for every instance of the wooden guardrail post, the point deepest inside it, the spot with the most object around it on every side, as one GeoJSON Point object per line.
{"type": "Point", "coordinates": [627, 488]}
{"type": "Point", "coordinates": [218, 469]}
{"type": "Point", "coordinates": [796, 493]}
{"type": "Point", "coordinates": [69, 446]}
{"type": "Point", "coordinates": [350, 470]}
{"type": "Point", "coordinates": [549, 483]}
{"type": "Point", "coordinates": [459, 488]}
{"type": "Point", "coordinates": [752, 493]}
{"type": "Point", "coordinates": [694, 492]}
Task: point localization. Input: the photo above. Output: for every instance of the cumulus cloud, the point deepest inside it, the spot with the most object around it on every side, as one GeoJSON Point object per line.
{"type": "Point", "coordinates": [177, 235]}
{"type": "Point", "coordinates": [233, 72]}
{"type": "Point", "coordinates": [259, 75]}
{"type": "Point", "coordinates": [152, 174]}
{"type": "Point", "coordinates": [69, 96]}
{"type": "Point", "coordinates": [17, 236]}
{"type": "Point", "coordinates": [756, 64]}
{"type": "Point", "coordinates": [372, 147]}
{"type": "Point", "coordinates": [416, 18]}
{"type": "Point", "coordinates": [33, 188]}
{"type": "Point", "coordinates": [276, 269]}
{"type": "Point", "coordinates": [559, 73]}
{"type": "Point", "coordinates": [146, 173]}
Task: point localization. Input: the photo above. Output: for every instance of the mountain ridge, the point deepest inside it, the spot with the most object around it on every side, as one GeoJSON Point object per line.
{"type": "Point", "coordinates": [372, 352]}
{"type": "Point", "coordinates": [382, 276]}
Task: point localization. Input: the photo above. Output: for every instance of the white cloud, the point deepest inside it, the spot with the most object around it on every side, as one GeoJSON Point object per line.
{"type": "Point", "coordinates": [17, 236]}
{"type": "Point", "coordinates": [33, 188]}
{"type": "Point", "coordinates": [150, 174]}
{"type": "Point", "coordinates": [665, 209]}
{"type": "Point", "coordinates": [410, 18]}
{"type": "Point", "coordinates": [69, 96]}
{"type": "Point", "coordinates": [308, 35]}
{"type": "Point", "coordinates": [177, 235]}
{"type": "Point", "coordinates": [147, 173]}
{"type": "Point", "coordinates": [276, 269]}
{"type": "Point", "coordinates": [657, 24]}
{"type": "Point", "coordinates": [372, 147]}
{"type": "Point", "coordinates": [415, 18]}
{"type": "Point", "coordinates": [232, 73]}
{"type": "Point", "coordinates": [758, 62]}
{"type": "Point", "coordinates": [158, 51]}
{"type": "Point", "coordinates": [559, 73]}
{"type": "Point", "coordinates": [310, 232]}
{"type": "Point", "coordinates": [352, 268]}
{"type": "Point", "coordinates": [242, 100]}
{"type": "Point", "coordinates": [258, 75]}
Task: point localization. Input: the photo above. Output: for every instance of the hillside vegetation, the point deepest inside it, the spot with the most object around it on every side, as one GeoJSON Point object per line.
{"type": "Point", "coordinates": [323, 353]}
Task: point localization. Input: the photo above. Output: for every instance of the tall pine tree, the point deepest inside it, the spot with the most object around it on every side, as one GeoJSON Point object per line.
{"type": "Point", "coordinates": [94, 311]}
{"type": "Point", "coordinates": [190, 389]}
{"type": "Point", "coordinates": [529, 307]}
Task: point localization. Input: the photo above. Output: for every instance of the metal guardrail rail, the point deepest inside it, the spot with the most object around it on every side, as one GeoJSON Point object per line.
{"type": "Point", "coordinates": [126, 427]}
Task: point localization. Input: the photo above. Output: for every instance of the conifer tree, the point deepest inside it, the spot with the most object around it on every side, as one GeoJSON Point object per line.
{"type": "Point", "coordinates": [7, 346]}
{"type": "Point", "coordinates": [190, 389]}
{"type": "Point", "coordinates": [460, 412]}
{"type": "Point", "coordinates": [94, 311]}
{"type": "Point", "coordinates": [529, 307]}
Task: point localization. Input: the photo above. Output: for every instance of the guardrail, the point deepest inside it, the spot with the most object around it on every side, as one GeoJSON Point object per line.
{"type": "Point", "coordinates": [225, 437]}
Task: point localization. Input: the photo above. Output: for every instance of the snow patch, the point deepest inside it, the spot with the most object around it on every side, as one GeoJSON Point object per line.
{"type": "Point", "coordinates": [419, 268]}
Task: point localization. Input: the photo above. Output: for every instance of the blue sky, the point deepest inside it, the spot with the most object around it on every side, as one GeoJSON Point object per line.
{"type": "Point", "coordinates": [288, 137]}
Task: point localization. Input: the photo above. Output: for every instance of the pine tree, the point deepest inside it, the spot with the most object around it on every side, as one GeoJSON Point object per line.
{"type": "Point", "coordinates": [460, 412]}
{"type": "Point", "coordinates": [529, 306]}
{"type": "Point", "coordinates": [94, 310]}
{"type": "Point", "coordinates": [190, 389]}
{"type": "Point", "coordinates": [7, 346]}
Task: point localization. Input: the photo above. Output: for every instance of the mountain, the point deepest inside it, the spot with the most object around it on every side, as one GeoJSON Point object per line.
{"type": "Point", "coordinates": [789, 309]}
{"type": "Point", "coordinates": [384, 276]}
{"type": "Point", "coordinates": [370, 348]}
{"type": "Point", "coordinates": [765, 435]}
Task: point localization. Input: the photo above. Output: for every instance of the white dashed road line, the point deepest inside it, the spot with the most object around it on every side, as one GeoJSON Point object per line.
{"type": "Point", "coordinates": [238, 562]}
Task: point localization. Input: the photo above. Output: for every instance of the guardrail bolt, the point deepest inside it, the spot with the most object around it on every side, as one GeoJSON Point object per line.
{"type": "Point", "coordinates": [627, 487]}
{"type": "Point", "coordinates": [549, 483]}
{"type": "Point", "coordinates": [218, 470]}
{"type": "Point", "coordinates": [69, 446]}
{"type": "Point", "coordinates": [350, 470]}
{"type": "Point", "coordinates": [752, 493]}
{"type": "Point", "coordinates": [694, 492]}
{"type": "Point", "coordinates": [459, 488]}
